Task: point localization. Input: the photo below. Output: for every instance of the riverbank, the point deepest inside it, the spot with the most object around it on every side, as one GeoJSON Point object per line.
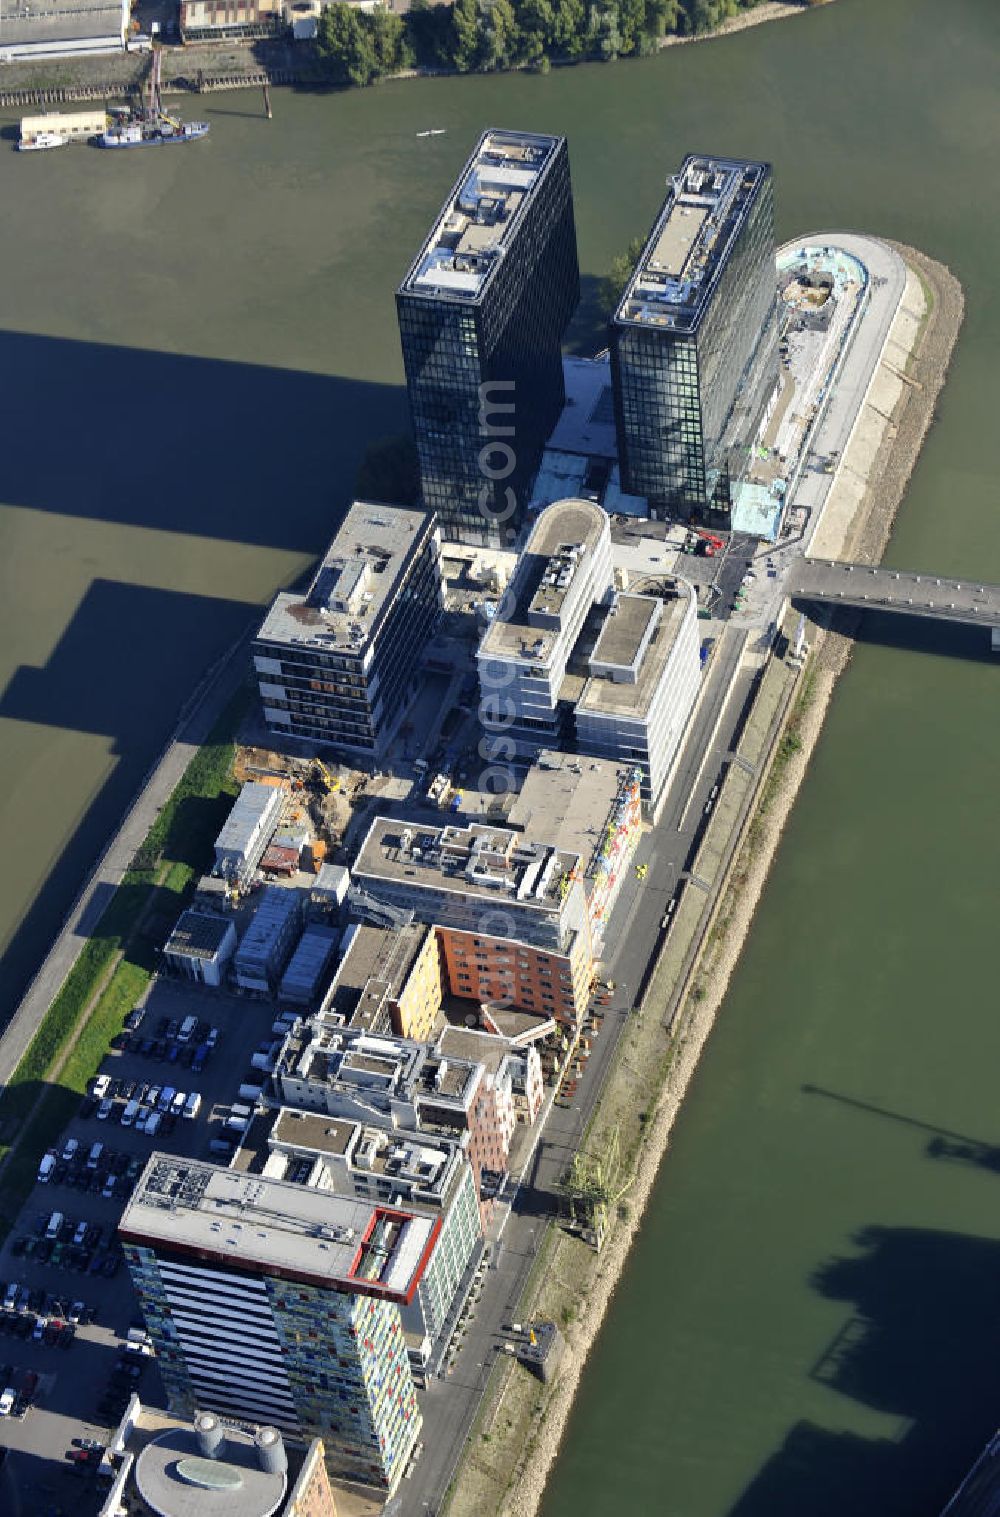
{"type": "Point", "coordinates": [234, 65]}
{"type": "Point", "coordinates": [517, 1436]}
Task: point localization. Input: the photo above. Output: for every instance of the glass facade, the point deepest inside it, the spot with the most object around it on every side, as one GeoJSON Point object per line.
{"type": "Point", "coordinates": [484, 368]}
{"type": "Point", "coordinates": [690, 396]}
{"type": "Point", "coordinates": [349, 701]}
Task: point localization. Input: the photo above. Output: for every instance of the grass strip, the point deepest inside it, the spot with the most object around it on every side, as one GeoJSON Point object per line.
{"type": "Point", "coordinates": [45, 1089]}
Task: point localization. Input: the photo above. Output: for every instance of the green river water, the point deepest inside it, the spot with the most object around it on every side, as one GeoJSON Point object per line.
{"type": "Point", "coordinates": [194, 348]}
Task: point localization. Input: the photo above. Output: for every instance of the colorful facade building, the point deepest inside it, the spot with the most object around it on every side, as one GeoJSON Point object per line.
{"type": "Point", "coordinates": [271, 1301]}
{"type": "Point", "coordinates": [428, 1172]}
{"type": "Point", "coordinates": [590, 806]}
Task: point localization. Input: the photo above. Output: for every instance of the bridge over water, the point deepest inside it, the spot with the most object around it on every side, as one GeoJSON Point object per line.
{"type": "Point", "coordinates": [877, 588]}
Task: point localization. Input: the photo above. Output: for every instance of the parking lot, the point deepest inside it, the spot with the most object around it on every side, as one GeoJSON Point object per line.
{"type": "Point", "coordinates": [67, 1302]}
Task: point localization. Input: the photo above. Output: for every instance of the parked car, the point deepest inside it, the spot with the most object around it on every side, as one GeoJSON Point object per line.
{"type": "Point", "coordinates": [72, 1144]}
{"type": "Point", "coordinates": [99, 1086]}
{"type": "Point", "coordinates": [135, 1018]}
{"type": "Point", "coordinates": [104, 1110]}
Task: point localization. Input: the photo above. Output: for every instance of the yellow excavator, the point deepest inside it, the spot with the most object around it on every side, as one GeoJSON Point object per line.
{"type": "Point", "coordinates": [327, 782]}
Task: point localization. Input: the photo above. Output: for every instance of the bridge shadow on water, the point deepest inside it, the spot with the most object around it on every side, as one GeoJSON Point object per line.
{"type": "Point", "coordinates": [908, 634]}
{"type": "Point", "coordinates": [243, 452]}
{"type": "Point", "coordinates": [920, 1346]}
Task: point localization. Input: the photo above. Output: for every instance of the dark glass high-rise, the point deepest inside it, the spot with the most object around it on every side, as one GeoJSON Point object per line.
{"type": "Point", "coordinates": [482, 312]}
{"type": "Point", "coordinates": [694, 340]}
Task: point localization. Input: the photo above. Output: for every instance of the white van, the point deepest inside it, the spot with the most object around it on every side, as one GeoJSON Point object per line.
{"type": "Point", "coordinates": [130, 1113]}
{"type": "Point", "coordinates": [153, 1124]}
{"type": "Point", "coordinates": [186, 1030]}
{"type": "Point", "coordinates": [7, 1402]}
{"type": "Point", "coordinates": [192, 1105]}
{"type": "Point", "coordinates": [99, 1086]}
{"type": "Point", "coordinates": [45, 1169]}
{"type": "Point", "coordinates": [55, 1225]}
{"type": "Point", "coordinates": [95, 1156]}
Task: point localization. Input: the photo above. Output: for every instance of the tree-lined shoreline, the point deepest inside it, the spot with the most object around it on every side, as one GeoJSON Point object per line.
{"type": "Point", "coordinates": [358, 48]}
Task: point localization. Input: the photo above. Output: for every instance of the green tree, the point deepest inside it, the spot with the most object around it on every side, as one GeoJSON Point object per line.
{"type": "Point", "coordinates": [346, 46]}
{"type": "Point", "coordinates": [569, 28]}
{"type": "Point", "coordinates": [465, 35]}
{"type": "Point", "coordinates": [392, 49]}
{"type": "Point", "coordinates": [607, 37]}
{"type": "Point", "coordinates": [631, 24]}
{"type": "Point", "coordinates": [536, 21]}
{"type": "Point", "coordinates": [618, 275]}
{"type": "Point", "coordinates": [428, 31]}
{"type": "Point", "coordinates": [499, 36]}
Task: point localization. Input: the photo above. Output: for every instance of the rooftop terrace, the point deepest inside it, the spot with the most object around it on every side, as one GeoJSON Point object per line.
{"type": "Point", "coordinates": [354, 585]}
{"type": "Point", "coordinates": [707, 202]}
{"type": "Point", "coordinates": [480, 216]}
{"type": "Point", "coordinates": [478, 860]}
{"type": "Point", "coordinates": [274, 1227]}
{"type": "Point", "coordinates": [564, 536]}
{"type": "Point", "coordinates": [568, 798]}
{"type": "Point", "coordinates": [633, 644]}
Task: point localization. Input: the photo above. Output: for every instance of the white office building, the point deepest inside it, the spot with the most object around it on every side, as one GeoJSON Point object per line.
{"type": "Point", "coordinates": [644, 675]}
{"type": "Point", "coordinates": [565, 568]}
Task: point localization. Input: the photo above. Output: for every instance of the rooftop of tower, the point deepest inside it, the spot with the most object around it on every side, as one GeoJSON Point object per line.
{"type": "Point", "coordinates": [480, 216]}
{"type": "Point", "coordinates": [692, 237]}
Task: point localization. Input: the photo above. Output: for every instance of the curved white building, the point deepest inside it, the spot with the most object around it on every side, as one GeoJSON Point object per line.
{"type": "Point", "coordinates": [565, 568]}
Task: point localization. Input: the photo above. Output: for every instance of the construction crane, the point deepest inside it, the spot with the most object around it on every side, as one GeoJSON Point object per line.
{"type": "Point", "coordinates": [591, 1188]}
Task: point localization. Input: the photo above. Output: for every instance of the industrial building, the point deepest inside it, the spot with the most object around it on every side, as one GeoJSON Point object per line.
{"type": "Point", "coordinates": [200, 947]}
{"type": "Point", "coordinates": [160, 1467]}
{"type": "Point", "coordinates": [267, 944]}
{"type": "Point", "coordinates": [63, 29]}
{"type": "Point", "coordinates": [425, 1171]}
{"type": "Point", "coordinates": [482, 312]}
{"type": "Point", "coordinates": [565, 568]}
{"type": "Point", "coordinates": [590, 806]}
{"type": "Point", "coordinates": [303, 980]}
{"type": "Point", "coordinates": [209, 20]}
{"type": "Point", "coordinates": [333, 664]}
{"type": "Point", "coordinates": [694, 341]}
{"type": "Point", "coordinates": [247, 832]}
{"type": "Point", "coordinates": [644, 677]}
{"type": "Point", "coordinates": [388, 981]}
{"type": "Point", "coordinates": [268, 1300]}
{"type": "Point", "coordinates": [511, 913]}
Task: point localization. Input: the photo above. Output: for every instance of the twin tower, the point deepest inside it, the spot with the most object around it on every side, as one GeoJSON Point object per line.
{"type": "Point", "coordinates": [693, 341]}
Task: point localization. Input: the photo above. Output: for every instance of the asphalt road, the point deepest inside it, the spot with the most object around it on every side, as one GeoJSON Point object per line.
{"type": "Point", "coordinates": [450, 1405]}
